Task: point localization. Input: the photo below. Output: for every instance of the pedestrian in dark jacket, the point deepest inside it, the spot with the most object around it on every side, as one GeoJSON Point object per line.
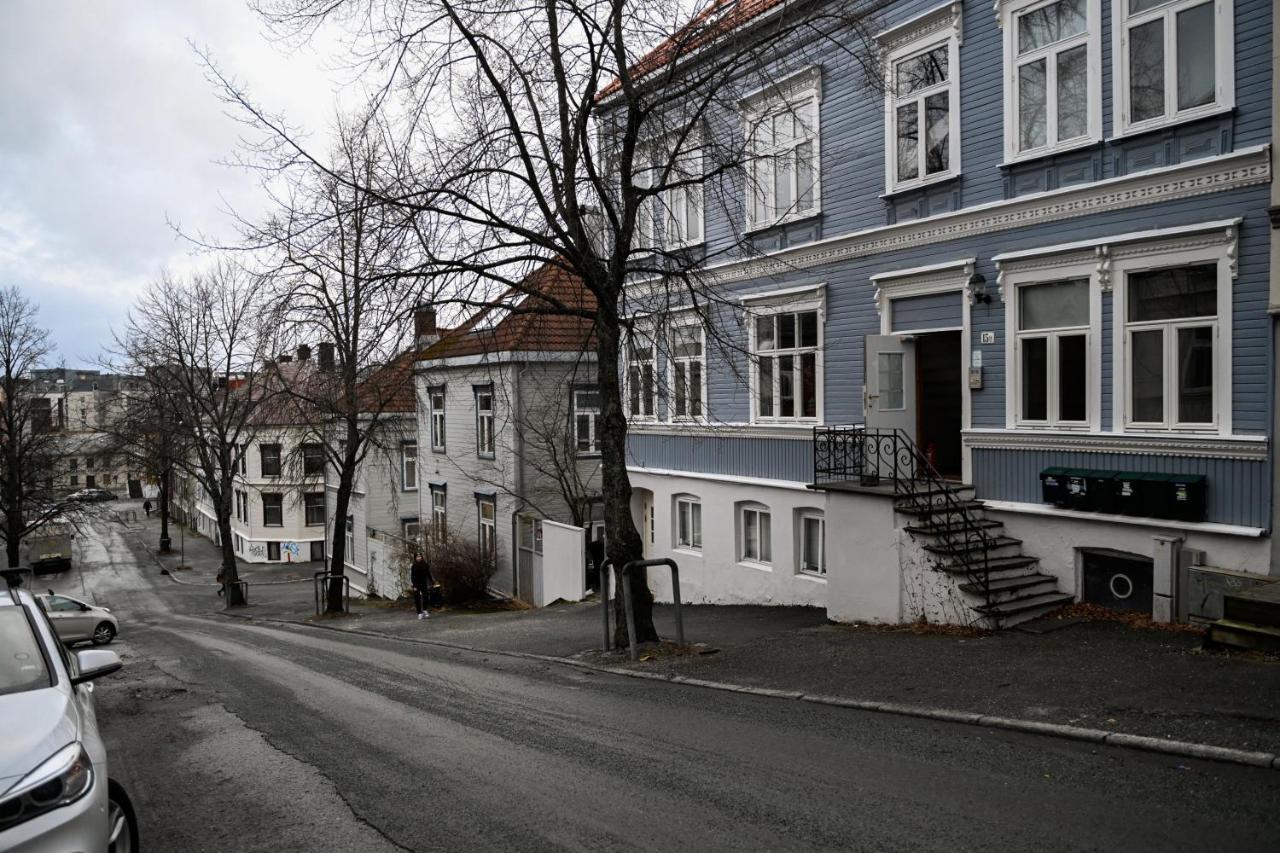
{"type": "Point", "coordinates": [421, 581]}
{"type": "Point", "coordinates": [146, 507]}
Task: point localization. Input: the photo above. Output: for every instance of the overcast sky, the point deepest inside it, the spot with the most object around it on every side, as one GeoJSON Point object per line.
{"type": "Point", "coordinates": [108, 128]}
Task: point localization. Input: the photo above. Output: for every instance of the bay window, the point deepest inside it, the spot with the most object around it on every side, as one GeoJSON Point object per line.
{"type": "Point", "coordinates": [1176, 60]}
{"type": "Point", "coordinates": [687, 372]}
{"type": "Point", "coordinates": [1053, 353]}
{"type": "Point", "coordinates": [786, 349]}
{"type": "Point", "coordinates": [1172, 330]}
{"type": "Point", "coordinates": [1052, 55]}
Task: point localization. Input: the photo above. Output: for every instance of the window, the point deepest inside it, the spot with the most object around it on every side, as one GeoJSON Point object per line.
{"type": "Point", "coordinates": [1052, 52]}
{"type": "Point", "coordinates": [270, 459]}
{"type": "Point", "coordinates": [89, 463]}
{"type": "Point", "coordinates": [813, 555]}
{"type": "Point", "coordinates": [687, 372]}
{"type": "Point", "coordinates": [349, 540]}
{"type": "Point", "coordinates": [782, 143]}
{"type": "Point", "coordinates": [688, 523]}
{"type": "Point", "coordinates": [75, 479]}
{"type": "Point", "coordinates": [1171, 330]}
{"type": "Point", "coordinates": [410, 528]}
{"type": "Point", "coordinates": [488, 512]}
{"type": "Point", "coordinates": [890, 369]}
{"type": "Point", "coordinates": [439, 517]}
{"type": "Point", "coordinates": [272, 510]}
{"type": "Point", "coordinates": [436, 400]}
{"type": "Point", "coordinates": [922, 113]}
{"type": "Point", "coordinates": [313, 508]}
{"type": "Point", "coordinates": [530, 534]}
{"type": "Point", "coordinates": [1176, 60]}
{"type": "Point", "coordinates": [672, 218]}
{"type": "Point", "coordinates": [484, 421]}
{"type": "Point", "coordinates": [785, 357]}
{"type": "Point", "coordinates": [312, 459]}
{"type": "Point", "coordinates": [244, 459]}
{"type": "Point", "coordinates": [642, 392]}
{"type": "Point", "coordinates": [1053, 349]}
{"type": "Point", "coordinates": [757, 538]}
{"type": "Point", "coordinates": [409, 465]}
{"type": "Point", "coordinates": [586, 420]}
{"type": "Point", "coordinates": [75, 463]}
{"type": "Point", "coordinates": [273, 550]}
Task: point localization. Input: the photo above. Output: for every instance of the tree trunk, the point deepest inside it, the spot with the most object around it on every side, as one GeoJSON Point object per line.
{"type": "Point", "coordinates": [164, 512]}
{"type": "Point", "coordinates": [341, 504]}
{"type": "Point", "coordinates": [232, 593]}
{"type": "Point", "coordinates": [624, 540]}
{"type": "Point", "coordinates": [12, 543]}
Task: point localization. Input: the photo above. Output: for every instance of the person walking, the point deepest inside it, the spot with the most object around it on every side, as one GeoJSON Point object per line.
{"type": "Point", "coordinates": [146, 507]}
{"type": "Point", "coordinates": [421, 580]}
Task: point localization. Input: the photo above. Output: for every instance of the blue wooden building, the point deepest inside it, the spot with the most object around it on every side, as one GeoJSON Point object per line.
{"type": "Point", "coordinates": [1043, 244]}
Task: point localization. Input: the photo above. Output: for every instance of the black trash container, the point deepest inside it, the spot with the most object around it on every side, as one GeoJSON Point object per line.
{"type": "Point", "coordinates": [1188, 497]}
{"type": "Point", "coordinates": [1102, 490]}
{"type": "Point", "coordinates": [1053, 486]}
{"type": "Point", "coordinates": [1077, 480]}
{"type": "Point", "coordinates": [1132, 495]}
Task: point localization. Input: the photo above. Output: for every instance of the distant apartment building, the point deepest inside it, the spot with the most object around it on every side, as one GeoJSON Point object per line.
{"type": "Point", "coordinates": [85, 407]}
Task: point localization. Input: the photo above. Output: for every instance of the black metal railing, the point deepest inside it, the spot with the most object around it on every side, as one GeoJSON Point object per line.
{"type": "Point", "coordinates": [861, 456]}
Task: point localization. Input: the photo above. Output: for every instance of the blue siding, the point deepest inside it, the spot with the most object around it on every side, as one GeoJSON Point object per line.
{"type": "Point", "coordinates": [1233, 484]}
{"type": "Point", "coordinates": [734, 456]}
{"type": "Point", "coordinates": [931, 311]}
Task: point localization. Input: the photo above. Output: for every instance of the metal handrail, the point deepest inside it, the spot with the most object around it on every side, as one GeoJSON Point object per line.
{"type": "Point", "coordinates": [625, 581]}
{"type": "Point", "coordinates": [854, 453]}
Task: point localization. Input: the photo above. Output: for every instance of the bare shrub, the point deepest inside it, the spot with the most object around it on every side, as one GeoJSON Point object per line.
{"type": "Point", "coordinates": [461, 567]}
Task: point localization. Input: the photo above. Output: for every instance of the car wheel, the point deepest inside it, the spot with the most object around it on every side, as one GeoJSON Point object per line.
{"type": "Point", "coordinates": [122, 822]}
{"type": "Point", "coordinates": [103, 634]}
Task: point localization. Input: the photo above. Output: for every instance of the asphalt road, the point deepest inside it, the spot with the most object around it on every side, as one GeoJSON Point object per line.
{"type": "Point", "coordinates": [236, 736]}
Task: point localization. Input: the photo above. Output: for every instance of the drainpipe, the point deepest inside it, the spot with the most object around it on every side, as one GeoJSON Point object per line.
{"type": "Point", "coordinates": [518, 446]}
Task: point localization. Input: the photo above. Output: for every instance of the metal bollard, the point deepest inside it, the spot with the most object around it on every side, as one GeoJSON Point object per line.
{"type": "Point", "coordinates": [605, 566]}
{"type": "Point", "coordinates": [625, 581]}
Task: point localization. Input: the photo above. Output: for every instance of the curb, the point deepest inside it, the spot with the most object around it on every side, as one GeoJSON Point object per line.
{"type": "Point", "coordinates": [1184, 749]}
{"type": "Point", "coordinates": [168, 572]}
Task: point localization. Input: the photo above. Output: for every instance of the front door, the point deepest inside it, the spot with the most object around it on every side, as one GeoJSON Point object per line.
{"type": "Point", "coordinates": [888, 407]}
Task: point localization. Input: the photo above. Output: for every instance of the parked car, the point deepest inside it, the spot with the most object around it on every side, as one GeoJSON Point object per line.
{"type": "Point", "coordinates": [76, 621]}
{"type": "Point", "coordinates": [55, 791]}
{"type": "Point", "coordinates": [92, 495]}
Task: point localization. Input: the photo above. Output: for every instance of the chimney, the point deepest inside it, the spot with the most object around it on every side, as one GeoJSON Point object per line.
{"type": "Point", "coordinates": [326, 356]}
{"type": "Point", "coordinates": [424, 326]}
{"type": "Point", "coordinates": [304, 352]}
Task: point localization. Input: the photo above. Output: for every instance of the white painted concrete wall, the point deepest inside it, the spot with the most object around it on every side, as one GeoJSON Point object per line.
{"type": "Point", "coordinates": [563, 572]}
{"type": "Point", "coordinates": [715, 574]}
{"type": "Point", "coordinates": [864, 572]}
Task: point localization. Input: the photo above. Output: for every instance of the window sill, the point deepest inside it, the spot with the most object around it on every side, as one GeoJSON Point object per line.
{"type": "Point", "coordinates": [440, 450]}
{"type": "Point", "coordinates": [902, 189]}
{"type": "Point", "coordinates": [1040, 154]}
{"type": "Point", "coordinates": [687, 551]}
{"type": "Point", "coordinates": [753, 228]}
{"type": "Point", "coordinates": [794, 423]}
{"type": "Point", "coordinates": [1163, 123]}
{"type": "Point", "coordinates": [753, 564]}
{"type": "Point", "coordinates": [811, 576]}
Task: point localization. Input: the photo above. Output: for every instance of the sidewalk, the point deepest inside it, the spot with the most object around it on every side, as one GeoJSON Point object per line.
{"type": "Point", "coordinates": [1093, 674]}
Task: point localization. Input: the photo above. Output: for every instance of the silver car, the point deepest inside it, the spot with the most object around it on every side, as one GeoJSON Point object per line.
{"type": "Point", "coordinates": [76, 621]}
{"type": "Point", "coordinates": [55, 795]}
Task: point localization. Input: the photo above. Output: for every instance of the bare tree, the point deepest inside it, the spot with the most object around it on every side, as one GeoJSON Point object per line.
{"type": "Point", "coordinates": [199, 345]}
{"type": "Point", "coordinates": [577, 133]}
{"type": "Point", "coordinates": [32, 440]}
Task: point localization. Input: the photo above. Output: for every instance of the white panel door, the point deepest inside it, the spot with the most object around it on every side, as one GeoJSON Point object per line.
{"type": "Point", "coordinates": [889, 395]}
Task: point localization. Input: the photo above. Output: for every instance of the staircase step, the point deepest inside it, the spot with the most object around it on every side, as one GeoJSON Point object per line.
{"type": "Point", "coordinates": [1042, 602]}
{"type": "Point", "coordinates": [975, 546]}
{"type": "Point", "coordinates": [906, 508]}
{"type": "Point", "coordinates": [1011, 583]}
{"type": "Point", "coordinates": [1005, 565]}
{"type": "Point", "coordinates": [933, 528]}
{"type": "Point", "coordinates": [1243, 635]}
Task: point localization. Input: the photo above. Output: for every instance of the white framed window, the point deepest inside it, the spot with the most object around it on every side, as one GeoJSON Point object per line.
{"type": "Point", "coordinates": [409, 465]}
{"type": "Point", "coordinates": [1175, 61]}
{"type": "Point", "coordinates": [786, 365]}
{"type": "Point", "coordinates": [435, 400]}
{"type": "Point", "coordinates": [1171, 330]}
{"type": "Point", "coordinates": [813, 553]}
{"type": "Point", "coordinates": [349, 544]}
{"type": "Point", "coordinates": [755, 524]}
{"type": "Point", "coordinates": [784, 163]}
{"type": "Point", "coordinates": [922, 100]}
{"type": "Point", "coordinates": [439, 511]}
{"type": "Point", "coordinates": [688, 371]}
{"type": "Point", "coordinates": [488, 515]}
{"type": "Point", "coordinates": [484, 421]}
{"type": "Point", "coordinates": [586, 421]}
{"type": "Point", "coordinates": [410, 528]}
{"type": "Point", "coordinates": [313, 509]}
{"type": "Point", "coordinates": [672, 218]}
{"type": "Point", "coordinates": [688, 523]}
{"type": "Point", "coordinates": [1054, 353]}
{"type": "Point", "coordinates": [642, 389]}
{"type": "Point", "coordinates": [1053, 83]}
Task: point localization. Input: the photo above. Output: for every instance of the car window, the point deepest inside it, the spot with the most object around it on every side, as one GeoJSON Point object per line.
{"type": "Point", "coordinates": [62, 604]}
{"type": "Point", "coordinates": [22, 664]}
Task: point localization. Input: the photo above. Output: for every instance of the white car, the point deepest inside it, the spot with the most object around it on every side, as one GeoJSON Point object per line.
{"type": "Point", "coordinates": [76, 621]}
{"type": "Point", "coordinates": [55, 795]}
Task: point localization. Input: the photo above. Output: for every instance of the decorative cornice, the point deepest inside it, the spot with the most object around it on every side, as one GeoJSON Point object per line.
{"type": "Point", "coordinates": [806, 81]}
{"type": "Point", "coordinates": [937, 278]}
{"type": "Point", "coordinates": [1146, 444]}
{"type": "Point", "coordinates": [1244, 168]}
{"type": "Point", "coordinates": [939, 19]}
